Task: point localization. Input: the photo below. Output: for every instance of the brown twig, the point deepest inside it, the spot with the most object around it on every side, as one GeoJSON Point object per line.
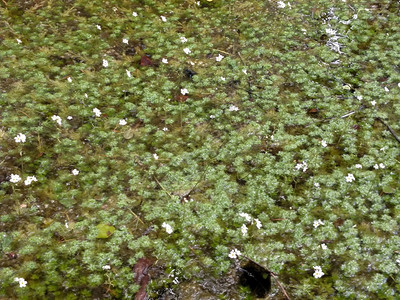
{"type": "Point", "coordinates": [389, 128]}
{"type": "Point", "coordinates": [272, 274]}
{"type": "Point", "coordinates": [155, 178]}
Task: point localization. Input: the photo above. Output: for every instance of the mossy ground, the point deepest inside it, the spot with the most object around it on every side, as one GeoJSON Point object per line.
{"type": "Point", "coordinates": [285, 118]}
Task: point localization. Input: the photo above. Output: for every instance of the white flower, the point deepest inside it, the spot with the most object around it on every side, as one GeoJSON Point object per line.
{"type": "Point", "coordinates": [184, 91]}
{"type": "Point", "coordinates": [359, 97]}
{"type": "Point", "coordinates": [398, 84]}
{"type": "Point", "coordinates": [318, 272]}
{"type": "Point", "coordinates": [86, 95]}
{"type": "Point", "coordinates": [128, 73]}
{"type": "Point", "coordinates": [246, 216]}
{"type": "Point", "coordinates": [15, 178]}
{"type": "Point", "coordinates": [244, 229]}
{"type": "Point", "coordinates": [222, 78]}
{"type": "Point", "coordinates": [164, 60]}
{"type": "Point", "coordinates": [183, 39]}
{"type": "Point", "coordinates": [355, 17]}
{"type": "Point", "coordinates": [57, 119]}
{"type": "Point", "coordinates": [386, 89]}
{"type": "Point", "coordinates": [29, 180]}
{"type": "Point", "coordinates": [316, 184]}
{"type": "Point", "coordinates": [19, 41]}
{"type": "Point", "coordinates": [302, 165]}
{"type": "Point", "coordinates": [105, 63]}
{"type": "Point", "coordinates": [164, 19]}
{"type": "Point", "coordinates": [122, 122]}
{"type": "Point", "coordinates": [187, 50]}
{"type": "Point", "coordinates": [20, 138]}
{"type": "Point", "coordinates": [258, 223]}
{"type": "Point", "coordinates": [22, 282]}
{"type": "Point", "coordinates": [97, 112]}
{"type": "Point", "coordinates": [155, 156]}
{"type": "Point", "coordinates": [165, 129]}
{"type": "Point", "coordinates": [69, 79]}
{"type": "Point", "coordinates": [376, 167]}
{"type": "Point", "coordinates": [317, 223]}
{"type": "Point", "coordinates": [324, 246]}
{"type": "Point", "coordinates": [358, 166]}
{"type": "Point", "coordinates": [125, 41]}
{"type": "Point", "coordinates": [244, 71]}
{"type": "Point", "coordinates": [350, 177]}
{"type": "Point", "coordinates": [219, 57]}
{"type": "Point", "coordinates": [233, 108]}
{"type": "Point", "coordinates": [324, 143]}
{"type": "Point", "coordinates": [212, 117]}
{"type": "Point", "coordinates": [235, 253]}
{"type": "Point", "coordinates": [281, 4]}
{"type": "Point", "coordinates": [381, 165]}
{"type": "Point", "coordinates": [75, 172]}
{"type": "Point", "coordinates": [98, 27]}
{"type": "Point", "coordinates": [69, 118]}
{"type": "Point", "coordinates": [167, 227]}
{"type": "Point", "coordinates": [134, 14]}
{"type": "Point", "coordinates": [106, 267]}
{"type": "Point", "coordinates": [373, 103]}
{"type": "Point", "coordinates": [330, 31]}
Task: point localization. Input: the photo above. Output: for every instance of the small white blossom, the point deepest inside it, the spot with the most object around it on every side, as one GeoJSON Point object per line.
{"type": "Point", "coordinates": [317, 223]}
{"type": "Point", "coordinates": [350, 177]}
{"type": "Point", "coordinates": [302, 165]}
{"type": "Point", "coordinates": [98, 27]}
{"type": "Point", "coordinates": [355, 17]}
{"type": "Point", "coordinates": [398, 84]}
{"type": "Point", "coordinates": [198, 3]}
{"type": "Point", "coordinates": [128, 73]}
{"type": "Point", "coordinates": [244, 71]}
{"type": "Point", "coordinates": [244, 229]}
{"type": "Point", "coordinates": [167, 227]}
{"type": "Point", "coordinates": [22, 282]}
{"type": "Point", "coordinates": [192, 63]}
{"type": "Point", "coordinates": [165, 129]}
{"type": "Point", "coordinates": [125, 41]}
{"type": "Point", "coordinates": [386, 89]}
{"type": "Point", "coordinates": [122, 122]}
{"type": "Point", "coordinates": [330, 31]}
{"type": "Point", "coordinates": [57, 119]}
{"type": "Point", "coordinates": [155, 156]}
{"type": "Point", "coordinates": [258, 223]}
{"type": "Point", "coordinates": [324, 246]}
{"type": "Point", "coordinates": [358, 166]}
{"type": "Point", "coordinates": [359, 97]}
{"type": "Point", "coordinates": [106, 267]}
{"type": "Point", "coordinates": [134, 14]}
{"type": "Point", "coordinates": [187, 50]}
{"type": "Point", "coordinates": [164, 19]}
{"type": "Point", "coordinates": [376, 167]}
{"type": "Point", "coordinates": [318, 272]}
{"type": "Point", "coordinates": [75, 172]}
{"type": "Point", "coordinates": [29, 180]}
{"type": "Point", "coordinates": [97, 112]}
{"type": "Point", "coordinates": [324, 143]}
{"type": "Point", "coordinates": [164, 60]}
{"type": "Point", "coordinates": [235, 253]}
{"type": "Point", "coordinates": [86, 95]}
{"type": "Point", "coordinates": [212, 117]}
{"type": "Point", "coordinates": [69, 118]}
{"type": "Point", "coordinates": [19, 41]}
{"type": "Point", "coordinates": [183, 39]}
{"type": "Point", "coordinates": [246, 216]}
{"type": "Point", "coordinates": [105, 63]}
{"type": "Point", "coordinates": [20, 138]}
{"type": "Point", "coordinates": [281, 4]}
{"type": "Point", "coordinates": [69, 79]}
{"type": "Point", "coordinates": [184, 91]}
{"type": "Point", "coordinates": [316, 184]}
{"type": "Point", "coordinates": [15, 178]}
{"type": "Point", "coordinates": [373, 103]}
{"type": "Point", "coordinates": [219, 57]}
{"type": "Point", "coordinates": [222, 78]}
{"type": "Point", "coordinates": [381, 165]}
{"type": "Point", "coordinates": [233, 108]}
{"type": "Point", "coordinates": [66, 224]}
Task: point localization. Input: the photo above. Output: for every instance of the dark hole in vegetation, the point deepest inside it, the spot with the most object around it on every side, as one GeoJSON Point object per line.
{"type": "Point", "coordinates": [189, 73]}
{"type": "Point", "coordinates": [256, 278]}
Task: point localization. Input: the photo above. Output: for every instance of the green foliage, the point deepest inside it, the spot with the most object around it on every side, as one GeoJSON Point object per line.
{"type": "Point", "coordinates": [274, 129]}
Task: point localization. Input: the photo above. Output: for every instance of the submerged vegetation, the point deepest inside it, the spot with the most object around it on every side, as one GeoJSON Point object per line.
{"type": "Point", "coordinates": [173, 139]}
